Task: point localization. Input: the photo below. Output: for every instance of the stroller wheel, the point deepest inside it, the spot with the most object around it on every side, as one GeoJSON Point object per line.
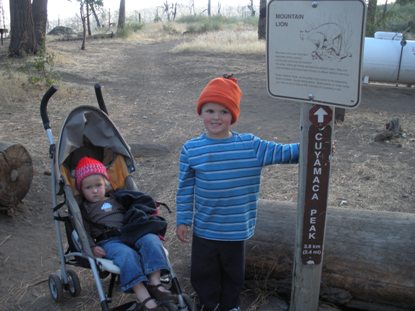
{"type": "Point", "coordinates": [169, 306]}
{"type": "Point", "coordinates": [188, 305]}
{"type": "Point", "coordinates": [74, 286]}
{"type": "Point", "coordinates": [55, 288]}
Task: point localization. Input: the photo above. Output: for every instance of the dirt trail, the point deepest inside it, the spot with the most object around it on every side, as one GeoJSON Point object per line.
{"type": "Point", "coordinates": [150, 94]}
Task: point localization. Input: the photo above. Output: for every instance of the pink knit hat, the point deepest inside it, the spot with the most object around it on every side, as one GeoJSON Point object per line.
{"type": "Point", "coordinates": [86, 167]}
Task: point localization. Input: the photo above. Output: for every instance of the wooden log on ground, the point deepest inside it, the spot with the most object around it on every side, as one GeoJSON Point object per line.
{"type": "Point", "coordinates": [16, 173]}
{"type": "Point", "coordinates": [370, 254]}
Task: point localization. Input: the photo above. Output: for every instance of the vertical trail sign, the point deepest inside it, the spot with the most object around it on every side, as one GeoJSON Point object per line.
{"type": "Point", "coordinates": [317, 184]}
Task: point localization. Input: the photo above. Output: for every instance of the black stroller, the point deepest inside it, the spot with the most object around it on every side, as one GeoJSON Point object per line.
{"type": "Point", "coordinates": [88, 131]}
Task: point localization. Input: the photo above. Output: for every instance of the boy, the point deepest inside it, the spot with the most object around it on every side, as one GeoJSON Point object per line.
{"type": "Point", "coordinates": [218, 189]}
{"type": "Point", "coordinates": [139, 263]}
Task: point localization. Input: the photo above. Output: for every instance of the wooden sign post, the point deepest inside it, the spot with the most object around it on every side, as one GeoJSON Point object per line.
{"type": "Point", "coordinates": [314, 175]}
{"type": "Point", "coordinates": [314, 55]}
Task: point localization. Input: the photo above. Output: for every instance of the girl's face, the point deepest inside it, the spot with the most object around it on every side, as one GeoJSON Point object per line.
{"type": "Point", "coordinates": [217, 120]}
{"type": "Point", "coordinates": [93, 188]}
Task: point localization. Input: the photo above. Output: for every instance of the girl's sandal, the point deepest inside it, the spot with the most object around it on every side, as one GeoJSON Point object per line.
{"type": "Point", "coordinates": [141, 306]}
{"type": "Point", "coordinates": [160, 295]}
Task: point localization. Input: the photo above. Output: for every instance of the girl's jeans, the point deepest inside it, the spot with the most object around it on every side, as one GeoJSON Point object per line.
{"type": "Point", "coordinates": [136, 263]}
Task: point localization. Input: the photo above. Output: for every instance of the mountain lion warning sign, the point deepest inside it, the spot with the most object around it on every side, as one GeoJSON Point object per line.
{"type": "Point", "coordinates": [314, 51]}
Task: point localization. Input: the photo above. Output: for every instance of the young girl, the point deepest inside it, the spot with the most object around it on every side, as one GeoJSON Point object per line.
{"type": "Point", "coordinates": [140, 264]}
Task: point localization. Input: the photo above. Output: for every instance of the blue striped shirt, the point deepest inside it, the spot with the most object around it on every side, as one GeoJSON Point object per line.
{"type": "Point", "coordinates": [219, 183]}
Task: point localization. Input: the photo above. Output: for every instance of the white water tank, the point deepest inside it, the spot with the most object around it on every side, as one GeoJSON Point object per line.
{"type": "Point", "coordinates": [388, 35]}
{"type": "Point", "coordinates": [386, 59]}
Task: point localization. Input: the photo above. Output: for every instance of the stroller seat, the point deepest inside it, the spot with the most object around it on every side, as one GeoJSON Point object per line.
{"type": "Point", "coordinates": [107, 265]}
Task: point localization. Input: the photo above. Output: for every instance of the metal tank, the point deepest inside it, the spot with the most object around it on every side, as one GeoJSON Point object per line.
{"type": "Point", "coordinates": [388, 57]}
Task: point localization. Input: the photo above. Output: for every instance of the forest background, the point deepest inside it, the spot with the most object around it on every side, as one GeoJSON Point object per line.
{"type": "Point", "coordinates": [29, 19]}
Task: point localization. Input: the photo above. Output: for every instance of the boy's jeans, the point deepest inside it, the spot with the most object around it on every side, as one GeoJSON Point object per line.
{"type": "Point", "coordinates": [217, 273]}
{"type": "Point", "coordinates": [136, 264]}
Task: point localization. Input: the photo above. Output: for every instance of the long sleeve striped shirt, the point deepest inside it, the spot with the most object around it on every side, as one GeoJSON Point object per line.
{"type": "Point", "coordinates": [219, 183]}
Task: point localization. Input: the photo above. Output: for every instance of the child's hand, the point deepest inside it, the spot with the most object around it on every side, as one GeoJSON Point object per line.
{"type": "Point", "coordinates": [98, 251]}
{"type": "Point", "coordinates": [181, 232]}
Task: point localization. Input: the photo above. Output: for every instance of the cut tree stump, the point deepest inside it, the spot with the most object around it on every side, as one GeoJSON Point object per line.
{"type": "Point", "coordinates": [369, 254]}
{"type": "Point", "coordinates": [16, 173]}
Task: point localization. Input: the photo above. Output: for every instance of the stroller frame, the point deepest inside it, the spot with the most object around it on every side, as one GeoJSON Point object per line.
{"type": "Point", "coordinates": [79, 252]}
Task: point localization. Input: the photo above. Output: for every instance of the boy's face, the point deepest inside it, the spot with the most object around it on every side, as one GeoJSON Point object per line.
{"type": "Point", "coordinates": [217, 120]}
{"type": "Point", "coordinates": [93, 188]}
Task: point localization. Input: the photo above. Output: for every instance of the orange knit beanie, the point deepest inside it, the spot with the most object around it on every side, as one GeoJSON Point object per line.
{"type": "Point", "coordinates": [224, 91]}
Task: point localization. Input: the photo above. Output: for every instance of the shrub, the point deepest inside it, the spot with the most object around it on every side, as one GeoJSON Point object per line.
{"type": "Point", "coordinates": [170, 29]}
{"type": "Point", "coordinates": [40, 69]}
{"type": "Point", "coordinates": [203, 24]}
{"type": "Point", "coordinates": [129, 28]}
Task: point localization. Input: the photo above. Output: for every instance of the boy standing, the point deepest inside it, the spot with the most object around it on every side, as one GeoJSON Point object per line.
{"type": "Point", "coordinates": [218, 189]}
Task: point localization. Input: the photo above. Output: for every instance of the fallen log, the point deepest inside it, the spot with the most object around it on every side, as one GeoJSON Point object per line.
{"type": "Point", "coordinates": [369, 254]}
{"type": "Point", "coordinates": [16, 173]}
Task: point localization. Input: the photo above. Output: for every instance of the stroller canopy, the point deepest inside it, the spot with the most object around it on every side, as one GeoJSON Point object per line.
{"type": "Point", "coordinates": [89, 127]}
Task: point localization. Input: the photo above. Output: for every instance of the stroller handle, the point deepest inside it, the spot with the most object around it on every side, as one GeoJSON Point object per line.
{"type": "Point", "coordinates": [44, 105]}
{"type": "Point", "coordinates": [100, 99]}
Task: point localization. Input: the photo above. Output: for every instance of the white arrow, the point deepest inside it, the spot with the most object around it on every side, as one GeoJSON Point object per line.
{"type": "Point", "coordinates": [320, 115]}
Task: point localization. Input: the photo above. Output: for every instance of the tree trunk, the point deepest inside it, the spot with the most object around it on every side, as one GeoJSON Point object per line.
{"type": "Point", "coordinates": [88, 22]}
{"type": "Point", "coordinates": [92, 7]}
{"type": "Point", "coordinates": [109, 19]}
{"type": "Point", "coordinates": [174, 11]}
{"type": "Point", "coordinates": [16, 173]}
{"type": "Point", "coordinates": [40, 18]}
{"type": "Point", "coordinates": [83, 20]}
{"type": "Point", "coordinates": [262, 21]}
{"type": "Point", "coordinates": [371, 18]}
{"type": "Point", "coordinates": [22, 34]}
{"type": "Point", "coordinates": [251, 7]}
{"type": "Point", "coordinates": [209, 8]}
{"type": "Point", "coordinates": [166, 10]}
{"type": "Point", "coordinates": [369, 254]}
{"type": "Point", "coordinates": [121, 17]}
{"type": "Point", "coordinates": [192, 8]}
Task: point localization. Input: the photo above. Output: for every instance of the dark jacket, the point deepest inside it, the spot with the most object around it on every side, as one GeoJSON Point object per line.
{"type": "Point", "coordinates": [141, 216]}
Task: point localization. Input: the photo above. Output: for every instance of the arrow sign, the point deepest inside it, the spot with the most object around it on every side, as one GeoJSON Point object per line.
{"type": "Point", "coordinates": [320, 116]}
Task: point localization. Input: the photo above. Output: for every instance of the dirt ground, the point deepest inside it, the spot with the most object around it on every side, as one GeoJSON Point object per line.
{"type": "Point", "coordinates": [150, 95]}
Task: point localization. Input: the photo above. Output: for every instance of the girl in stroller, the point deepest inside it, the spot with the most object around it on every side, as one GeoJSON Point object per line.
{"type": "Point", "coordinates": [141, 262]}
